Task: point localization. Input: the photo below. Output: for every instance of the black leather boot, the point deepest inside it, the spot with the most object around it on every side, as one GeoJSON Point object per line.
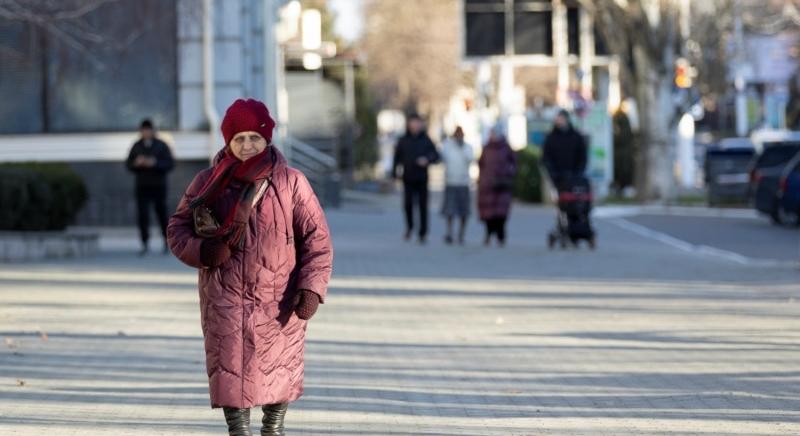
{"type": "Point", "coordinates": [238, 421]}
{"type": "Point", "coordinates": [273, 419]}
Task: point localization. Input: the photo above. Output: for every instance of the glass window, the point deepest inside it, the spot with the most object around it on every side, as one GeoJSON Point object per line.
{"type": "Point", "coordinates": [777, 155]}
{"type": "Point", "coordinates": [107, 83]}
{"type": "Point", "coordinates": [573, 31]}
{"type": "Point", "coordinates": [20, 79]}
{"type": "Point", "coordinates": [796, 169]}
{"type": "Point", "coordinates": [600, 47]}
{"type": "Point", "coordinates": [533, 33]}
{"type": "Point", "coordinates": [485, 33]}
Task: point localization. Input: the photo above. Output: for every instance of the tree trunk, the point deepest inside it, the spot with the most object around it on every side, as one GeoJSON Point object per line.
{"type": "Point", "coordinates": [653, 88]}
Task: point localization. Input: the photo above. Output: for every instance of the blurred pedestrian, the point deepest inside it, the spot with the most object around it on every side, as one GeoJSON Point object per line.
{"type": "Point", "coordinates": [565, 151]}
{"type": "Point", "coordinates": [498, 166]}
{"type": "Point", "coordinates": [457, 157]}
{"type": "Point", "coordinates": [256, 231]}
{"type": "Point", "coordinates": [415, 152]}
{"type": "Point", "coordinates": [150, 159]}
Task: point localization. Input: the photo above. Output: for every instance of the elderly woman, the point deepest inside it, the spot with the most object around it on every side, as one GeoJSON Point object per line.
{"type": "Point", "coordinates": [257, 234]}
{"type": "Point", "coordinates": [498, 166]}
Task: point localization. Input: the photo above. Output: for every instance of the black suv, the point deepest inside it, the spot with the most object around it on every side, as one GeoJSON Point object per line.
{"type": "Point", "coordinates": [765, 174]}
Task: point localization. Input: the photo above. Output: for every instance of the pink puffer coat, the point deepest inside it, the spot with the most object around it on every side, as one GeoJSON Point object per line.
{"type": "Point", "coordinates": [497, 163]}
{"type": "Point", "coordinates": [253, 339]}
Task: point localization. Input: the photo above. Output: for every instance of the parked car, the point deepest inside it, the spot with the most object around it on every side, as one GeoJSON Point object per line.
{"type": "Point", "coordinates": [789, 193]}
{"type": "Point", "coordinates": [725, 167]}
{"type": "Point", "coordinates": [765, 173]}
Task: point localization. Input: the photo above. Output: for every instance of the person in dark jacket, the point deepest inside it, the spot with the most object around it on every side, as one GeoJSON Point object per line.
{"type": "Point", "coordinates": [415, 152]}
{"type": "Point", "coordinates": [150, 159]}
{"type": "Point", "coordinates": [565, 151]}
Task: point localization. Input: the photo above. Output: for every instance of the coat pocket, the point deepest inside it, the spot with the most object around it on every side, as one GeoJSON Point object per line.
{"type": "Point", "coordinates": [272, 253]}
{"type": "Point", "coordinates": [223, 320]}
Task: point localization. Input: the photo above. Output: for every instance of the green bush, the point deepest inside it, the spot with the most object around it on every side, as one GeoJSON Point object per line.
{"type": "Point", "coordinates": [528, 182]}
{"type": "Point", "coordinates": [39, 196]}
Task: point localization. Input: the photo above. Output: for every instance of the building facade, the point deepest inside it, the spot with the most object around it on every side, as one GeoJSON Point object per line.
{"type": "Point", "coordinates": [80, 88]}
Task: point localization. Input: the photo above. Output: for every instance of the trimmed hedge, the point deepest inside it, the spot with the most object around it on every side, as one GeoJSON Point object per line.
{"type": "Point", "coordinates": [39, 196]}
{"type": "Point", "coordinates": [528, 182]}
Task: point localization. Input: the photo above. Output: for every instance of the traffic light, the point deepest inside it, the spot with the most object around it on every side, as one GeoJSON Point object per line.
{"type": "Point", "coordinates": [684, 73]}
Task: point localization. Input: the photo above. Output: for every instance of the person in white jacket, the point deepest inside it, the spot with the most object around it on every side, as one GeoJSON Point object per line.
{"type": "Point", "coordinates": [457, 157]}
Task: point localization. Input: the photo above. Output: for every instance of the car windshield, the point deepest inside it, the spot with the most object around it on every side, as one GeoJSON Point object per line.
{"type": "Point", "coordinates": [777, 155]}
{"type": "Point", "coordinates": [729, 163]}
{"type": "Point", "coordinates": [796, 169]}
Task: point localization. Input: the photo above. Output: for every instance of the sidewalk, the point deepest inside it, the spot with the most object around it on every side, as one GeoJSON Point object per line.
{"type": "Point", "coordinates": [635, 338]}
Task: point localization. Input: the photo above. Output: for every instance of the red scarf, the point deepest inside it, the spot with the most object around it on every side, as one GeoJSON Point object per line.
{"type": "Point", "coordinates": [230, 168]}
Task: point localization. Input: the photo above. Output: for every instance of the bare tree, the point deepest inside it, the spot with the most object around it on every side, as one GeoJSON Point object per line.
{"type": "Point", "coordinates": [708, 46]}
{"type": "Point", "coordinates": [78, 35]}
{"type": "Point", "coordinates": [774, 17]}
{"type": "Point", "coordinates": [648, 36]}
{"type": "Point", "coordinates": [66, 21]}
{"type": "Point", "coordinates": [770, 16]}
{"type": "Point", "coordinates": [412, 49]}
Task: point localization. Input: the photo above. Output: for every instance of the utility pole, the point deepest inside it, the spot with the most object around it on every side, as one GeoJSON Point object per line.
{"type": "Point", "coordinates": [685, 127]}
{"type": "Point", "coordinates": [586, 42]}
{"type": "Point", "coordinates": [209, 104]}
{"type": "Point", "coordinates": [561, 51]}
{"type": "Point", "coordinates": [739, 80]}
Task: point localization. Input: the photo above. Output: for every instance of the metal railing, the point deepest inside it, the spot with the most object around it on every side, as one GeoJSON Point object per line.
{"type": "Point", "coordinates": [321, 170]}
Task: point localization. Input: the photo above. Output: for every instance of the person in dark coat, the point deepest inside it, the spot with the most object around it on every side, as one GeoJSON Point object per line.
{"type": "Point", "coordinates": [415, 152]}
{"type": "Point", "coordinates": [150, 159]}
{"type": "Point", "coordinates": [565, 151]}
{"type": "Point", "coordinates": [498, 166]}
{"type": "Point", "coordinates": [262, 274]}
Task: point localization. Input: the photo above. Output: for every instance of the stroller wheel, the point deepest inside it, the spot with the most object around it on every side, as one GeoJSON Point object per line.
{"type": "Point", "coordinates": [551, 241]}
{"type": "Point", "coordinates": [563, 243]}
{"type": "Point", "coordinates": [591, 242]}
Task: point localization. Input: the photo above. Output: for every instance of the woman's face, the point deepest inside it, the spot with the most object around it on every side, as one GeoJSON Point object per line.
{"type": "Point", "coordinates": [247, 144]}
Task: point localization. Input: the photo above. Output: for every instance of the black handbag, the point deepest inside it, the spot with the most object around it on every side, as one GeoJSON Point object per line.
{"type": "Point", "coordinates": [206, 226]}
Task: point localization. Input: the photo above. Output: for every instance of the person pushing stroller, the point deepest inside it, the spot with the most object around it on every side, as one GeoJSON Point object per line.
{"type": "Point", "coordinates": [564, 157]}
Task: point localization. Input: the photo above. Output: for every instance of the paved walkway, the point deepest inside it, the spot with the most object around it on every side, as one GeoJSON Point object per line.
{"type": "Point", "coordinates": [638, 337]}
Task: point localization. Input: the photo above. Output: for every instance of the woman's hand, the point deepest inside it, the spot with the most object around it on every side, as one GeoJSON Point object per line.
{"type": "Point", "coordinates": [214, 252]}
{"type": "Point", "coordinates": [306, 304]}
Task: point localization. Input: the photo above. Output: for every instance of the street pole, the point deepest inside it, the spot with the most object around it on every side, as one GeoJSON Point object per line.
{"type": "Point", "coordinates": [270, 58]}
{"type": "Point", "coordinates": [275, 94]}
{"type": "Point", "coordinates": [349, 91]}
{"type": "Point", "coordinates": [209, 104]}
{"type": "Point", "coordinates": [586, 53]}
{"type": "Point", "coordinates": [685, 127]}
{"type": "Point", "coordinates": [350, 109]}
{"type": "Point", "coordinates": [739, 80]}
{"type": "Point", "coordinates": [561, 51]}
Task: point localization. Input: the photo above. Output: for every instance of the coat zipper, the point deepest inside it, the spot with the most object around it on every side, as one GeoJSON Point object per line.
{"type": "Point", "coordinates": [247, 284]}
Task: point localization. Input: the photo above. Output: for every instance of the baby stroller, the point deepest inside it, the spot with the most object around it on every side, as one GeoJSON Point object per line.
{"type": "Point", "coordinates": [574, 197]}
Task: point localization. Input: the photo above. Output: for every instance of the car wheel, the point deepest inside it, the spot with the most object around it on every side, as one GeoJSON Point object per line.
{"type": "Point", "coordinates": [775, 214]}
{"type": "Point", "coordinates": [775, 217]}
{"type": "Point", "coordinates": [787, 217]}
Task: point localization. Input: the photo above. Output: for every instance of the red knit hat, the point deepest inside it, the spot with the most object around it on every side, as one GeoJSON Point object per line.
{"type": "Point", "coordinates": [247, 115]}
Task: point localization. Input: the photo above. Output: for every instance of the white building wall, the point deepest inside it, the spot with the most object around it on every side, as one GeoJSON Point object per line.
{"type": "Point", "coordinates": [238, 54]}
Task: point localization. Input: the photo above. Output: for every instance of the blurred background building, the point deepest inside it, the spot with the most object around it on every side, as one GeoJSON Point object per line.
{"type": "Point", "coordinates": [652, 89]}
{"type": "Point", "coordinates": [84, 74]}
